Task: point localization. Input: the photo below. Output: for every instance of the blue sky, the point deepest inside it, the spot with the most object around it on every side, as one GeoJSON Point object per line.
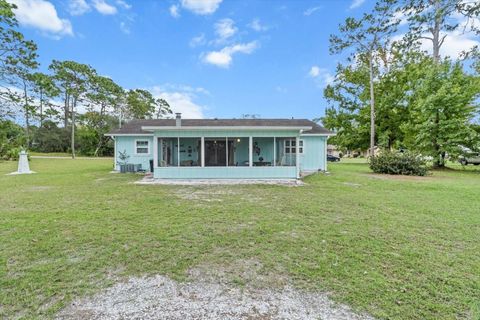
{"type": "Point", "coordinates": [207, 58]}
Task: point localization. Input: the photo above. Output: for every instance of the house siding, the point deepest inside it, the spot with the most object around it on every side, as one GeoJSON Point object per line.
{"type": "Point", "coordinates": [314, 156]}
{"type": "Point", "coordinates": [225, 173]}
{"type": "Point", "coordinates": [231, 172]}
{"type": "Point", "coordinates": [127, 143]}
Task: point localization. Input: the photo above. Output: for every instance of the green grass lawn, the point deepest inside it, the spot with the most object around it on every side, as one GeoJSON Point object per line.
{"type": "Point", "coordinates": [62, 155]}
{"type": "Point", "coordinates": [50, 154]}
{"type": "Point", "coordinates": [398, 248]}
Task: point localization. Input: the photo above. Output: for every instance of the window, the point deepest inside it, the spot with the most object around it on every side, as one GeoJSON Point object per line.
{"type": "Point", "coordinates": [141, 147]}
{"type": "Point", "coordinates": [291, 146]}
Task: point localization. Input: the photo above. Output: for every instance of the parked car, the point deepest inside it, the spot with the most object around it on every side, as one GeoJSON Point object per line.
{"type": "Point", "coordinates": [332, 158]}
{"type": "Point", "coordinates": [470, 158]}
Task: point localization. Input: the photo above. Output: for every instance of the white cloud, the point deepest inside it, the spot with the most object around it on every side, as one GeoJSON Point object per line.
{"type": "Point", "coordinates": [198, 41]}
{"type": "Point", "coordinates": [314, 71]}
{"type": "Point", "coordinates": [223, 58]}
{"type": "Point", "coordinates": [181, 99]}
{"type": "Point", "coordinates": [202, 7]}
{"type": "Point", "coordinates": [224, 29]}
{"type": "Point", "coordinates": [104, 8]}
{"type": "Point", "coordinates": [123, 4]}
{"type": "Point", "coordinates": [455, 43]}
{"type": "Point", "coordinates": [124, 27]}
{"type": "Point", "coordinates": [257, 25]}
{"type": "Point", "coordinates": [174, 11]}
{"type": "Point", "coordinates": [311, 11]}
{"type": "Point", "coordinates": [184, 88]}
{"type": "Point", "coordinates": [42, 15]}
{"type": "Point", "coordinates": [322, 76]}
{"type": "Point", "coordinates": [78, 7]}
{"type": "Point", "coordinates": [356, 3]}
{"type": "Point", "coordinates": [401, 17]}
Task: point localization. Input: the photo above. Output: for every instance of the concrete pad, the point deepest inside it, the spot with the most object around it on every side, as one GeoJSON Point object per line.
{"type": "Point", "coordinates": [17, 173]}
{"type": "Point", "coordinates": [194, 182]}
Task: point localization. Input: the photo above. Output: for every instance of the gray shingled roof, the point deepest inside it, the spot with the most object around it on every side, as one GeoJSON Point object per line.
{"type": "Point", "coordinates": [135, 126]}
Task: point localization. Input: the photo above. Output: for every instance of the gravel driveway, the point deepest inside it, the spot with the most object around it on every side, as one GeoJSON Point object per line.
{"type": "Point", "coordinates": [159, 297]}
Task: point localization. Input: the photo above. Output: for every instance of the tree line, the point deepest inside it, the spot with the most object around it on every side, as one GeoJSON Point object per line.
{"type": "Point", "coordinates": [48, 103]}
{"type": "Point", "coordinates": [392, 93]}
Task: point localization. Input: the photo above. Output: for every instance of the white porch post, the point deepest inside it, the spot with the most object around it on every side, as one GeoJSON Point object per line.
{"type": "Point", "coordinates": [114, 153]}
{"type": "Point", "coordinates": [202, 151]}
{"type": "Point", "coordinates": [155, 152]}
{"type": "Point", "coordinates": [274, 151]}
{"type": "Point", "coordinates": [178, 151]}
{"type": "Point", "coordinates": [297, 156]}
{"type": "Point", "coordinates": [250, 151]}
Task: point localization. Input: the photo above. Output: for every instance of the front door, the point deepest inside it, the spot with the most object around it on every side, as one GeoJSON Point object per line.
{"type": "Point", "coordinates": [215, 153]}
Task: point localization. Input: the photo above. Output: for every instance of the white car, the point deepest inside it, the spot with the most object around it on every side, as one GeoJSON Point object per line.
{"type": "Point", "coordinates": [470, 158]}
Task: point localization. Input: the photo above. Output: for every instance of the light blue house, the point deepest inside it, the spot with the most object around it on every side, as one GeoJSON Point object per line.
{"type": "Point", "coordinates": [224, 148]}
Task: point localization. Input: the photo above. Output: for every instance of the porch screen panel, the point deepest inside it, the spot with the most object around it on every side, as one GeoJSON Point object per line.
{"type": "Point", "coordinates": [190, 152]}
{"type": "Point", "coordinates": [167, 152]}
{"type": "Point", "coordinates": [238, 152]}
{"type": "Point", "coordinates": [263, 151]}
{"type": "Point", "coordinates": [216, 152]}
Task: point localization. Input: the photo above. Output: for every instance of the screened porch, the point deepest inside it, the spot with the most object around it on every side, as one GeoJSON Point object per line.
{"type": "Point", "coordinates": [227, 157]}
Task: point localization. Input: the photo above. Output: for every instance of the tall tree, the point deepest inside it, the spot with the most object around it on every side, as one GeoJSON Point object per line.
{"type": "Point", "coordinates": [163, 108]}
{"type": "Point", "coordinates": [140, 104]}
{"type": "Point", "coordinates": [444, 100]}
{"type": "Point", "coordinates": [348, 99]}
{"type": "Point", "coordinates": [432, 20]}
{"type": "Point", "coordinates": [73, 80]}
{"type": "Point", "coordinates": [20, 69]}
{"type": "Point", "coordinates": [103, 99]}
{"type": "Point", "coordinates": [15, 52]}
{"type": "Point", "coordinates": [44, 89]}
{"type": "Point", "coordinates": [367, 36]}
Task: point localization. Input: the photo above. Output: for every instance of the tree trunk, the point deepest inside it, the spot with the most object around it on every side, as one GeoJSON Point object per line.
{"type": "Point", "coordinates": [100, 138]}
{"type": "Point", "coordinates": [99, 145]}
{"type": "Point", "coordinates": [436, 32]}
{"type": "Point", "coordinates": [74, 102]}
{"type": "Point", "coordinates": [439, 161]}
{"type": "Point", "coordinates": [120, 119]}
{"type": "Point", "coordinates": [372, 107]}
{"type": "Point", "coordinates": [439, 155]}
{"type": "Point", "coordinates": [66, 108]}
{"type": "Point", "coordinates": [41, 108]}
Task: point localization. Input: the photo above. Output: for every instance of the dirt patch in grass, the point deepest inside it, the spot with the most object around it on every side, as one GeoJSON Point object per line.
{"type": "Point", "coordinates": [38, 188]}
{"type": "Point", "coordinates": [241, 272]}
{"type": "Point", "coordinates": [352, 184]}
{"type": "Point", "coordinates": [399, 177]}
{"type": "Point", "coordinates": [208, 194]}
{"type": "Point", "coordinates": [159, 297]}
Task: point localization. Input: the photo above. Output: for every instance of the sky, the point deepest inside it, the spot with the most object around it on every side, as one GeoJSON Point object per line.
{"type": "Point", "coordinates": [207, 58]}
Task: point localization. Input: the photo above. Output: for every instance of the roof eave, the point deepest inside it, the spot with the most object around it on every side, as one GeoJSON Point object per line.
{"type": "Point", "coordinates": [128, 134]}
{"type": "Point", "coordinates": [170, 128]}
{"type": "Point", "coordinates": [320, 134]}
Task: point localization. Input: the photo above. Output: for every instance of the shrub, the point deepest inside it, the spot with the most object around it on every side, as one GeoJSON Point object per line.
{"type": "Point", "coordinates": [12, 138]}
{"type": "Point", "coordinates": [12, 154]}
{"type": "Point", "coordinates": [50, 138]}
{"type": "Point", "coordinates": [404, 163]}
